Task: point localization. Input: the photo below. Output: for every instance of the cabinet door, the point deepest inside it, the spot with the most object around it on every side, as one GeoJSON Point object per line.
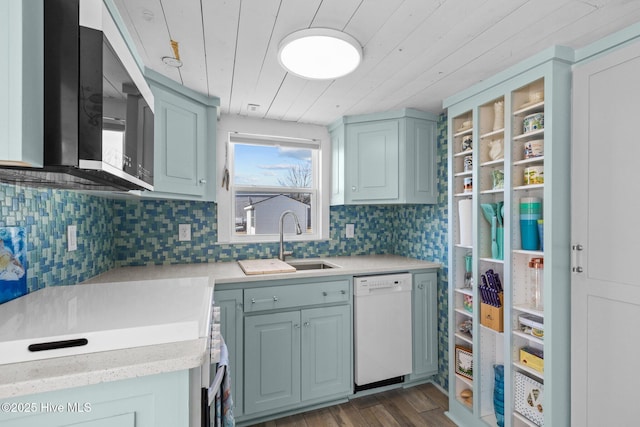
{"type": "Point", "coordinates": [425, 325]}
{"type": "Point", "coordinates": [22, 82]}
{"type": "Point", "coordinates": [272, 361]}
{"type": "Point", "coordinates": [326, 355]}
{"type": "Point", "coordinates": [420, 171]}
{"type": "Point", "coordinates": [180, 151]}
{"type": "Point", "coordinates": [149, 401]}
{"type": "Point", "coordinates": [372, 161]}
{"type": "Point", "coordinates": [605, 291]}
{"type": "Point", "coordinates": [230, 303]}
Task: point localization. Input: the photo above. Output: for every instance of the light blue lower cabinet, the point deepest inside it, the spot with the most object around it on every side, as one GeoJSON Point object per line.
{"type": "Point", "coordinates": [151, 401]}
{"type": "Point", "coordinates": [296, 357]}
{"type": "Point", "coordinates": [326, 355]}
{"type": "Point", "coordinates": [230, 303]}
{"type": "Point", "coordinates": [272, 361]}
{"type": "Point", "coordinates": [425, 325]}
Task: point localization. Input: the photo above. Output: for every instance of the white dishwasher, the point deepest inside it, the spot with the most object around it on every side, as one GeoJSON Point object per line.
{"type": "Point", "coordinates": [382, 323]}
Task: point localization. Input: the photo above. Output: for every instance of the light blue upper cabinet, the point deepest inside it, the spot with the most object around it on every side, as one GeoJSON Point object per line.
{"type": "Point", "coordinates": [185, 141]}
{"type": "Point", "coordinates": [384, 158]}
{"type": "Point", "coordinates": [22, 83]}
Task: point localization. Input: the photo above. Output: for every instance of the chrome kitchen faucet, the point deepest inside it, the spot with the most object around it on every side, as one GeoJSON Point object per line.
{"type": "Point", "coordinates": [283, 254]}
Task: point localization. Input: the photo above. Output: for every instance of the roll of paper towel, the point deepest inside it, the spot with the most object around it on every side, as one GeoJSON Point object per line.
{"type": "Point", "coordinates": [464, 214]}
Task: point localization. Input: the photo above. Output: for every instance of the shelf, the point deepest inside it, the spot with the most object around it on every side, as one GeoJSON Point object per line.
{"type": "Point", "coordinates": [461, 174]}
{"type": "Point", "coordinates": [496, 261]}
{"type": "Point", "coordinates": [465, 380]}
{"type": "Point", "coordinates": [458, 245]}
{"type": "Point", "coordinates": [464, 337]}
{"type": "Point", "coordinates": [491, 330]}
{"type": "Point", "coordinates": [529, 310]}
{"type": "Point", "coordinates": [528, 135]}
{"type": "Point", "coordinates": [527, 337]}
{"type": "Point", "coordinates": [492, 133]}
{"type": "Point", "coordinates": [529, 371]}
{"type": "Point", "coordinates": [464, 403]}
{"type": "Point", "coordinates": [499, 190]}
{"type": "Point", "coordinates": [490, 420]}
{"type": "Point", "coordinates": [463, 153]}
{"type": "Point", "coordinates": [464, 132]}
{"type": "Point", "coordinates": [539, 159]}
{"type": "Point", "coordinates": [463, 312]}
{"type": "Point", "coordinates": [529, 108]}
{"type": "Point", "coordinates": [467, 194]}
{"type": "Point", "coordinates": [497, 162]}
{"type": "Point", "coordinates": [465, 291]}
{"type": "Point", "coordinates": [528, 187]}
{"type": "Point", "coordinates": [524, 420]}
{"type": "Point", "coordinates": [526, 252]}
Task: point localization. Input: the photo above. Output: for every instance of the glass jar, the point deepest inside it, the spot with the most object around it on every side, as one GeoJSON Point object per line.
{"type": "Point", "coordinates": [536, 279]}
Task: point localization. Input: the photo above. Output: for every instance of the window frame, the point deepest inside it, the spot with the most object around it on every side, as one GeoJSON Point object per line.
{"type": "Point", "coordinates": [319, 189]}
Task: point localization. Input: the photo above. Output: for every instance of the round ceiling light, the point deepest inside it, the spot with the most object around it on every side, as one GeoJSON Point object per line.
{"type": "Point", "coordinates": [319, 53]}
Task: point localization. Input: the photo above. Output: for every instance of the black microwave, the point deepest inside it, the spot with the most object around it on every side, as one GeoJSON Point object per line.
{"type": "Point", "coordinates": [98, 112]}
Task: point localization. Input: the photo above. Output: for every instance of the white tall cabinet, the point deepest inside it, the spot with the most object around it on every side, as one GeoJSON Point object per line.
{"type": "Point", "coordinates": [493, 115]}
{"type": "Point", "coordinates": [605, 288]}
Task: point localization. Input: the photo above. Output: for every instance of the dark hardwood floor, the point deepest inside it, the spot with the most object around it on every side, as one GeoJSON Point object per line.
{"type": "Point", "coordinates": [423, 405]}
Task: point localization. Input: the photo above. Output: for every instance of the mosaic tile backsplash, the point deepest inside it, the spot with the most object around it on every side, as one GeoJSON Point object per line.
{"type": "Point", "coordinates": [45, 215]}
{"type": "Point", "coordinates": [144, 232]}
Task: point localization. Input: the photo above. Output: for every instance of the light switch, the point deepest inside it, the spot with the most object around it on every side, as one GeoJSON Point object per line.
{"type": "Point", "coordinates": [350, 232]}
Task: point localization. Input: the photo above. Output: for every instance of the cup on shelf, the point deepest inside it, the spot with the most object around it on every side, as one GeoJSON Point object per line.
{"type": "Point", "coordinates": [530, 213]}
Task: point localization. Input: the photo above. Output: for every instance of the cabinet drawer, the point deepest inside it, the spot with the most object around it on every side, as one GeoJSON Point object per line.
{"type": "Point", "coordinates": [277, 297]}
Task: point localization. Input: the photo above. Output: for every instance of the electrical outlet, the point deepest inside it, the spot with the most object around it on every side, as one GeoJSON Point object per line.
{"type": "Point", "coordinates": [184, 232]}
{"type": "Point", "coordinates": [350, 231]}
{"type": "Point", "coordinates": [72, 238]}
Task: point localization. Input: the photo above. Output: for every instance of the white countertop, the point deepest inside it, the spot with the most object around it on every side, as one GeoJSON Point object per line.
{"type": "Point", "coordinates": [230, 272]}
{"type": "Point", "coordinates": [19, 379]}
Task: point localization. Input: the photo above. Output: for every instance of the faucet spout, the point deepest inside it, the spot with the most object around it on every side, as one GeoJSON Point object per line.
{"type": "Point", "coordinates": [282, 254]}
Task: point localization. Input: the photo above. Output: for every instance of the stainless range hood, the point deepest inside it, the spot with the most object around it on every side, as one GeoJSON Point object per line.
{"type": "Point", "coordinates": [98, 108]}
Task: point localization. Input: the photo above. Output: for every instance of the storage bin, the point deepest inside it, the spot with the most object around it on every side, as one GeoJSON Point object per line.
{"type": "Point", "coordinates": [533, 358]}
{"type": "Point", "coordinates": [529, 398]}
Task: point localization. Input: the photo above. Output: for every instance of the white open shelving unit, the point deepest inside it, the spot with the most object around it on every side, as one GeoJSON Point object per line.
{"type": "Point", "coordinates": [548, 75]}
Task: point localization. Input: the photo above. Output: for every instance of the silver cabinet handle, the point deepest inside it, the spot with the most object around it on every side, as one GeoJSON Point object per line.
{"type": "Point", "coordinates": [353, 188]}
{"type": "Point", "coordinates": [203, 181]}
{"type": "Point", "coordinates": [325, 293]}
{"type": "Point", "coordinates": [420, 286]}
{"type": "Point", "coordinates": [296, 325]}
{"type": "Point", "coordinates": [307, 324]}
{"type": "Point", "coordinates": [274, 299]}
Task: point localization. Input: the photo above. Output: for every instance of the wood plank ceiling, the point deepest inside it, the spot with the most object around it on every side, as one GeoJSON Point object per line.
{"type": "Point", "coordinates": [416, 52]}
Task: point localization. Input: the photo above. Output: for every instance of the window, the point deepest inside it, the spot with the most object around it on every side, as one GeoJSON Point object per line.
{"type": "Point", "coordinates": [268, 176]}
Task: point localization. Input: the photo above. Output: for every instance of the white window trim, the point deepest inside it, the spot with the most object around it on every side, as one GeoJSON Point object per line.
{"type": "Point", "coordinates": [303, 134]}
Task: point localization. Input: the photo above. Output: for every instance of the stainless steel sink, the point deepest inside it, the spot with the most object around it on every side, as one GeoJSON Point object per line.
{"type": "Point", "coordinates": [311, 265]}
